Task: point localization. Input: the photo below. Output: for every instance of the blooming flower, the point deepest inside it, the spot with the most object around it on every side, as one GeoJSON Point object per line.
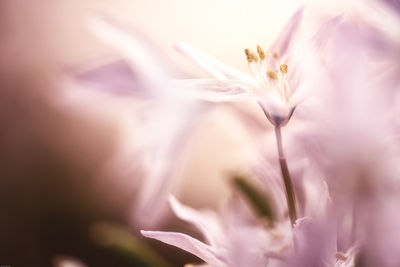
{"type": "Point", "coordinates": [319, 240]}
{"type": "Point", "coordinates": [343, 184]}
{"type": "Point", "coordinates": [273, 83]}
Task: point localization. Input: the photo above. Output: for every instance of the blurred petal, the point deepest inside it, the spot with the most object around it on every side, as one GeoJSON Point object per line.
{"type": "Point", "coordinates": [171, 134]}
{"type": "Point", "coordinates": [164, 129]}
{"type": "Point", "coordinates": [395, 4]}
{"type": "Point", "coordinates": [205, 222]}
{"type": "Point", "coordinates": [135, 46]}
{"type": "Point", "coordinates": [216, 90]}
{"type": "Point", "coordinates": [115, 77]}
{"type": "Point", "coordinates": [186, 243]}
{"type": "Point", "coordinates": [325, 31]}
{"type": "Point", "coordinates": [288, 33]}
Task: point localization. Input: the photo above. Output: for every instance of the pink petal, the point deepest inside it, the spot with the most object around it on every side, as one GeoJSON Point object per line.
{"type": "Point", "coordinates": [325, 31]}
{"type": "Point", "coordinates": [186, 243]}
{"type": "Point", "coordinates": [288, 33]}
{"type": "Point", "coordinates": [205, 222]}
{"type": "Point", "coordinates": [163, 173]}
{"type": "Point", "coordinates": [135, 46]}
{"type": "Point", "coordinates": [114, 77]}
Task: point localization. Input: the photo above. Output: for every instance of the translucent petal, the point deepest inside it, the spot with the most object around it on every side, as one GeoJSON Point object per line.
{"type": "Point", "coordinates": [186, 243]}
{"type": "Point", "coordinates": [284, 40]}
{"type": "Point", "coordinates": [213, 66]}
{"type": "Point", "coordinates": [216, 90]}
{"type": "Point", "coordinates": [205, 222]}
{"type": "Point", "coordinates": [135, 46]}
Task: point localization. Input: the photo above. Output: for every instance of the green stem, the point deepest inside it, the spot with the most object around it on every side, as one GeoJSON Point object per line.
{"type": "Point", "coordinates": [290, 197]}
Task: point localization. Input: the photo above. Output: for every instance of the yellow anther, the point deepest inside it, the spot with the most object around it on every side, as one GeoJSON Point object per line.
{"type": "Point", "coordinates": [341, 256]}
{"type": "Point", "coordinates": [254, 56]}
{"type": "Point", "coordinates": [272, 75]}
{"type": "Point", "coordinates": [250, 56]}
{"type": "Point", "coordinates": [276, 55]}
{"type": "Point", "coordinates": [260, 52]}
{"type": "Point", "coordinates": [283, 68]}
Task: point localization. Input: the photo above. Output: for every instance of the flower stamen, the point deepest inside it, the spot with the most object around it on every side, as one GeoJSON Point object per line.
{"type": "Point", "coordinates": [267, 75]}
{"type": "Point", "coordinates": [250, 56]}
{"type": "Point", "coordinates": [260, 52]}
{"type": "Point", "coordinates": [283, 68]}
{"type": "Point", "coordinates": [272, 75]}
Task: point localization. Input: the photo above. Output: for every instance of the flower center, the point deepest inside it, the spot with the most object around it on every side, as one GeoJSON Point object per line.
{"type": "Point", "coordinates": [268, 71]}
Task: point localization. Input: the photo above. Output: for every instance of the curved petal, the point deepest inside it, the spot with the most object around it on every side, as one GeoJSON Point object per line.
{"type": "Point", "coordinates": [135, 46]}
{"type": "Point", "coordinates": [114, 77]}
{"type": "Point", "coordinates": [216, 90]}
{"type": "Point", "coordinates": [169, 135]}
{"type": "Point", "coordinates": [186, 243]}
{"type": "Point", "coordinates": [325, 31]}
{"type": "Point", "coordinates": [289, 31]}
{"type": "Point", "coordinates": [213, 66]}
{"type": "Point", "coordinates": [206, 223]}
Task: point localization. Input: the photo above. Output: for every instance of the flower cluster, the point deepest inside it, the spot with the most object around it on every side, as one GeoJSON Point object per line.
{"type": "Point", "coordinates": [328, 168]}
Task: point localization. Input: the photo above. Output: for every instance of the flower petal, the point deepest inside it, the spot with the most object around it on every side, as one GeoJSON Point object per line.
{"type": "Point", "coordinates": [186, 243]}
{"type": "Point", "coordinates": [205, 222]}
{"type": "Point", "coordinates": [170, 133]}
{"type": "Point", "coordinates": [135, 46]}
{"type": "Point", "coordinates": [325, 31]}
{"type": "Point", "coordinates": [114, 77]}
{"type": "Point", "coordinates": [213, 66]}
{"type": "Point", "coordinates": [283, 43]}
{"type": "Point", "coordinates": [216, 90]}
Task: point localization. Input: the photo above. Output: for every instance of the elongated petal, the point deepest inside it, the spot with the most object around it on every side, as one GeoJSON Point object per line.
{"type": "Point", "coordinates": [213, 66]}
{"type": "Point", "coordinates": [325, 31]}
{"type": "Point", "coordinates": [114, 77]}
{"type": "Point", "coordinates": [135, 46]}
{"type": "Point", "coordinates": [186, 243]}
{"type": "Point", "coordinates": [216, 90]}
{"type": "Point", "coordinates": [162, 173]}
{"type": "Point", "coordinates": [288, 33]}
{"type": "Point", "coordinates": [205, 222]}
{"type": "Point", "coordinates": [315, 243]}
{"type": "Point", "coordinates": [167, 127]}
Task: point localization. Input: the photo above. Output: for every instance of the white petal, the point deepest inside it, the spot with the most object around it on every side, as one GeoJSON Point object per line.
{"type": "Point", "coordinates": [213, 66]}
{"type": "Point", "coordinates": [186, 243]}
{"type": "Point", "coordinates": [216, 90]}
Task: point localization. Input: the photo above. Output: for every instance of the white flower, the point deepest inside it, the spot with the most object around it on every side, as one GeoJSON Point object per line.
{"type": "Point", "coordinates": [274, 82]}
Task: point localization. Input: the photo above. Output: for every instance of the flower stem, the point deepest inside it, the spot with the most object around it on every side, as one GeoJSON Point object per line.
{"type": "Point", "coordinates": [290, 197]}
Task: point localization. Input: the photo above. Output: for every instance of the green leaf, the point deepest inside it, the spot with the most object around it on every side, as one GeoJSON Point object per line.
{"type": "Point", "coordinates": [126, 246]}
{"type": "Point", "coordinates": [261, 203]}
